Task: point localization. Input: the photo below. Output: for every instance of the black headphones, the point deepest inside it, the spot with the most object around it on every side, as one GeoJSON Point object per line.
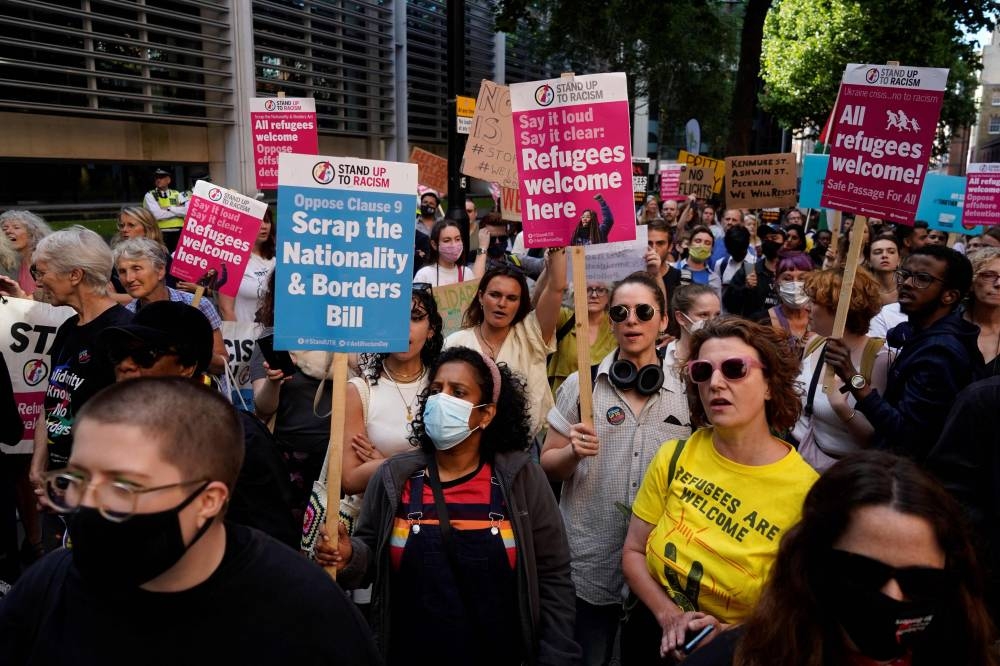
{"type": "Point", "coordinates": [647, 380]}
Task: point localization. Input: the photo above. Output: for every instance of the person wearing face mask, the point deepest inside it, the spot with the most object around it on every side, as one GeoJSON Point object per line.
{"type": "Point", "coordinates": [446, 261]}
{"type": "Point", "coordinates": [880, 571]}
{"type": "Point", "coordinates": [734, 258]}
{"type": "Point", "coordinates": [791, 314]}
{"type": "Point", "coordinates": [693, 306]}
{"type": "Point", "coordinates": [463, 535]}
{"type": "Point", "coordinates": [698, 253]}
{"type": "Point", "coordinates": [750, 293]}
{"type": "Point", "coordinates": [638, 402]}
{"type": "Point", "coordinates": [146, 494]}
{"type": "Point", "coordinates": [426, 217]}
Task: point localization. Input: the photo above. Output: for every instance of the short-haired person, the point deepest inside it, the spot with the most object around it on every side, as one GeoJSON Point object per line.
{"type": "Point", "coordinates": [712, 509]}
{"type": "Point", "coordinates": [668, 210]}
{"type": "Point", "coordinates": [699, 252]}
{"type": "Point", "coordinates": [791, 314]}
{"type": "Point", "coordinates": [168, 206]}
{"type": "Point", "coordinates": [821, 245]}
{"type": "Point", "coordinates": [152, 562]}
{"type": "Point", "coordinates": [939, 355]}
{"type": "Point", "coordinates": [731, 218]}
{"type": "Point", "coordinates": [141, 264]}
{"type": "Point", "coordinates": [660, 262]}
{"type": "Point", "coordinates": [751, 294]}
{"type": "Point", "coordinates": [937, 237]}
{"type": "Point", "coordinates": [911, 238]}
{"type": "Point", "coordinates": [735, 257]}
{"type": "Point", "coordinates": [879, 571]}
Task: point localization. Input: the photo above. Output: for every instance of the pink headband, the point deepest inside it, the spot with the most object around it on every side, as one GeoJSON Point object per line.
{"type": "Point", "coordinates": [495, 372]}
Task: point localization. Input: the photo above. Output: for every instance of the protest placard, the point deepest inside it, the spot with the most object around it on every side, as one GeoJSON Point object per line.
{"type": "Point", "coordinates": [574, 159]}
{"type": "Point", "coordinates": [433, 170]}
{"type": "Point", "coordinates": [670, 181]}
{"type": "Point", "coordinates": [465, 108]}
{"type": "Point", "coordinates": [693, 161]}
{"type": "Point", "coordinates": [884, 125]}
{"type": "Point", "coordinates": [760, 181]}
{"type": "Point", "coordinates": [27, 331]}
{"type": "Point", "coordinates": [613, 261]}
{"type": "Point", "coordinates": [813, 175]}
{"type": "Point", "coordinates": [640, 178]}
{"type": "Point", "coordinates": [697, 181]}
{"type": "Point", "coordinates": [451, 301]}
{"type": "Point", "coordinates": [941, 202]}
{"type": "Point", "coordinates": [510, 204]}
{"type": "Point", "coordinates": [489, 151]}
{"type": "Point", "coordinates": [982, 195]}
{"type": "Point", "coordinates": [240, 338]}
{"type": "Point", "coordinates": [219, 232]}
{"type": "Point", "coordinates": [344, 270]}
{"type": "Point", "coordinates": [281, 125]}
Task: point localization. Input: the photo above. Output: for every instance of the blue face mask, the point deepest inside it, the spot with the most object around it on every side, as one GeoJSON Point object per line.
{"type": "Point", "coordinates": [446, 420]}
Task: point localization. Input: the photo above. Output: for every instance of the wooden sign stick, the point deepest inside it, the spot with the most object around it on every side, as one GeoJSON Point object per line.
{"type": "Point", "coordinates": [199, 293]}
{"type": "Point", "coordinates": [835, 222]}
{"type": "Point", "coordinates": [579, 257]}
{"type": "Point", "coordinates": [846, 287]}
{"type": "Point", "coordinates": [335, 454]}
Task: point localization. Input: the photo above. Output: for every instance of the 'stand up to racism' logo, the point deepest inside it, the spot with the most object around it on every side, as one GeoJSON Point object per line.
{"type": "Point", "coordinates": [35, 371]}
{"type": "Point", "coordinates": [269, 105]}
{"type": "Point", "coordinates": [215, 194]}
{"type": "Point", "coordinates": [545, 95]}
{"type": "Point", "coordinates": [871, 76]}
{"type": "Point", "coordinates": [323, 173]}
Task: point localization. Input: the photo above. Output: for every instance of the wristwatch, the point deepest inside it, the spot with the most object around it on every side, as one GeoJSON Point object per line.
{"type": "Point", "coordinates": [480, 251]}
{"type": "Point", "coordinates": [858, 381]}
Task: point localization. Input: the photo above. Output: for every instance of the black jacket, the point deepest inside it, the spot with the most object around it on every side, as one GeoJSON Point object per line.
{"type": "Point", "coordinates": [933, 365]}
{"type": "Point", "coordinates": [750, 302]}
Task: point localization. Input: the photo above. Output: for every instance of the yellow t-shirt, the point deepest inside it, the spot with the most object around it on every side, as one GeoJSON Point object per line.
{"type": "Point", "coordinates": [718, 523]}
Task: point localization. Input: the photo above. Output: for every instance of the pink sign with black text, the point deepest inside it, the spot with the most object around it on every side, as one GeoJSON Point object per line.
{"type": "Point", "coordinates": [281, 125]}
{"type": "Point", "coordinates": [883, 133]}
{"type": "Point", "coordinates": [219, 232]}
{"type": "Point", "coordinates": [982, 194]}
{"type": "Point", "coordinates": [574, 160]}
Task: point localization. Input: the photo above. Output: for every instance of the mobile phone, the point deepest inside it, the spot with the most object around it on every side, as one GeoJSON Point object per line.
{"type": "Point", "coordinates": [698, 638]}
{"type": "Point", "coordinates": [276, 359]}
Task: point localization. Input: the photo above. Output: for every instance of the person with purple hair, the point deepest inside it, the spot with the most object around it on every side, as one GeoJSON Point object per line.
{"type": "Point", "coordinates": [791, 314]}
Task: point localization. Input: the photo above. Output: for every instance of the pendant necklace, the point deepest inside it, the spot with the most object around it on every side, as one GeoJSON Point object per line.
{"type": "Point", "coordinates": [395, 382]}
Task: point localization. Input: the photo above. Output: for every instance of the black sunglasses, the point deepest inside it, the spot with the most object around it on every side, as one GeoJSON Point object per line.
{"type": "Point", "coordinates": [917, 583]}
{"type": "Point", "coordinates": [643, 311]}
{"type": "Point", "coordinates": [145, 357]}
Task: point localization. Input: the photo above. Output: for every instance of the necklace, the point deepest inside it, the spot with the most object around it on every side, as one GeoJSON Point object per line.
{"type": "Point", "coordinates": [403, 377]}
{"type": "Point", "coordinates": [397, 382]}
{"type": "Point", "coordinates": [482, 336]}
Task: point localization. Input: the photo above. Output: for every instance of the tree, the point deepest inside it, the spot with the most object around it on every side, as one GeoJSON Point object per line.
{"type": "Point", "coordinates": [808, 43]}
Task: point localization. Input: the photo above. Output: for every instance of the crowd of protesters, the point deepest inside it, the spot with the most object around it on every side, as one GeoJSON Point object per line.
{"type": "Point", "coordinates": [751, 488]}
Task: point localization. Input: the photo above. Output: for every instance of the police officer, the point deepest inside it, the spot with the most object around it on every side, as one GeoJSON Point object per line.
{"type": "Point", "coordinates": [168, 206]}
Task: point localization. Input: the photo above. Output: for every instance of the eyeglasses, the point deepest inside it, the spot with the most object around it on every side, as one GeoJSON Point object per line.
{"type": "Point", "coordinates": [917, 583]}
{"type": "Point", "coordinates": [619, 313]}
{"type": "Point", "coordinates": [116, 500]}
{"type": "Point", "coordinates": [920, 280]}
{"type": "Point", "coordinates": [144, 356]}
{"type": "Point", "coordinates": [421, 286]}
{"type": "Point", "coordinates": [990, 277]}
{"type": "Point", "coordinates": [36, 274]}
{"type": "Point", "coordinates": [733, 369]}
{"type": "Point", "coordinates": [597, 291]}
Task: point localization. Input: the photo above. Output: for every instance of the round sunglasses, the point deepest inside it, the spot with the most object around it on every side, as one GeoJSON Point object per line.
{"type": "Point", "coordinates": [643, 312]}
{"type": "Point", "coordinates": [733, 369]}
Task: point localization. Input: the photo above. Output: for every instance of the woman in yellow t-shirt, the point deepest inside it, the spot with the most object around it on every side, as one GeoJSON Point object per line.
{"type": "Point", "coordinates": [711, 510]}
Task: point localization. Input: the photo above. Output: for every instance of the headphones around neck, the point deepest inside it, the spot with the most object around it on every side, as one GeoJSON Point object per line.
{"type": "Point", "coordinates": [647, 380]}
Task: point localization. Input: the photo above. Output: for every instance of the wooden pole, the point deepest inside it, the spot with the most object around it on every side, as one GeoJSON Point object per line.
{"type": "Point", "coordinates": [847, 286]}
{"type": "Point", "coordinates": [199, 292]}
{"type": "Point", "coordinates": [579, 257]}
{"type": "Point", "coordinates": [335, 454]}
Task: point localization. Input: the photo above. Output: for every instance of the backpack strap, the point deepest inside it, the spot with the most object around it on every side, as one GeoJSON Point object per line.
{"type": "Point", "coordinates": [687, 277]}
{"type": "Point", "coordinates": [868, 356]}
{"type": "Point", "coordinates": [565, 328]}
{"type": "Point", "coordinates": [672, 468]}
{"type": "Point", "coordinates": [815, 343]}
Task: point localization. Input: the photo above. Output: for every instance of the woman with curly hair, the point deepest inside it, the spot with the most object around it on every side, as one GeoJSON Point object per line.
{"type": "Point", "coordinates": [381, 405]}
{"type": "Point", "coordinates": [712, 509]}
{"type": "Point", "coordinates": [879, 571]}
{"type": "Point", "coordinates": [463, 535]}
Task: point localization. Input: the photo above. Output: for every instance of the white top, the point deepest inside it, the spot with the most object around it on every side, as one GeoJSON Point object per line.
{"type": "Point", "coordinates": [524, 351]}
{"type": "Point", "coordinates": [252, 287]}
{"type": "Point", "coordinates": [439, 276]}
{"type": "Point", "coordinates": [388, 427]}
{"type": "Point", "coordinates": [888, 318]}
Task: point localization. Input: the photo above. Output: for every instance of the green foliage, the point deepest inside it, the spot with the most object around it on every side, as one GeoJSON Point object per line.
{"type": "Point", "coordinates": [807, 44]}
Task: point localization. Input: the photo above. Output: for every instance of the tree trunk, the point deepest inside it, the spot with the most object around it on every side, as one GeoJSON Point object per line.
{"type": "Point", "coordinates": [747, 75]}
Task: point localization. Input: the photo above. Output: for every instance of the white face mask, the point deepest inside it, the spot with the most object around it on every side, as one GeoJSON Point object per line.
{"type": "Point", "coordinates": [793, 294]}
{"type": "Point", "coordinates": [694, 325]}
{"type": "Point", "coordinates": [446, 420]}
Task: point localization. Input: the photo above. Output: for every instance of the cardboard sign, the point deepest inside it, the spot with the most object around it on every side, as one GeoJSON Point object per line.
{"type": "Point", "coordinates": [27, 331]}
{"type": "Point", "coordinates": [510, 204]}
{"type": "Point", "coordinates": [433, 170]}
{"type": "Point", "coordinates": [573, 146]}
{"type": "Point", "coordinates": [941, 202]}
{"type": "Point", "coordinates": [670, 181]}
{"type": "Point", "coordinates": [699, 181]}
{"type": "Point", "coordinates": [813, 175]}
{"type": "Point", "coordinates": [883, 133]}
{"type": "Point", "coordinates": [219, 232]}
{"type": "Point", "coordinates": [982, 195]}
{"type": "Point", "coordinates": [451, 301]}
{"type": "Point", "coordinates": [761, 181]}
{"type": "Point", "coordinates": [344, 273]}
{"type": "Point", "coordinates": [489, 151]}
{"type": "Point", "coordinates": [692, 160]}
{"type": "Point", "coordinates": [640, 178]}
{"type": "Point", "coordinates": [281, 125]}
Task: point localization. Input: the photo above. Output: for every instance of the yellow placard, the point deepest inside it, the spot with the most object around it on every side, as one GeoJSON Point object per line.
{"type": "Point", "coordinates": [465, 107]}
{"type": "Point", "coordinates": [700, 161]}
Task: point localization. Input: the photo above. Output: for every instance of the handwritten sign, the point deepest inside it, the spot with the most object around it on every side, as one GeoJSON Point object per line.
{"type": "Point", "coordinates": [760, 181]}
{"type": "Point", "coordinates": [451, 301]}
{"type": "Point", "coordinates": [489, 151]}
{"type": "Point", "coordinates": [692, 160]}
{"type": "Point", "coordinates": [433, 169]}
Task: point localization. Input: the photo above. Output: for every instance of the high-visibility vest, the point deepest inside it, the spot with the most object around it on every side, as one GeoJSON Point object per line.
{"type": "Point", "coordinates": [172, 198]}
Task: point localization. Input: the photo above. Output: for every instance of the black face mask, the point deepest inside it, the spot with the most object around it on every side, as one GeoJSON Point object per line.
{"type": "Point", "coordinates": [427, 210]}
{"type": "Point", "coordinates": [770, 249]}
{"type": "Point", "coordinates": [880, 627]}
{"type": "Point", "coordinates": [130, 553]}
{"type": "Point", "coordinates": [498, 247]}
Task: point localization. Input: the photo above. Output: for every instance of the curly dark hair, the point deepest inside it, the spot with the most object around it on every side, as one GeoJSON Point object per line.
{"type": "Point", "coordinates": [781, 369]}
{"type": "Point", "coordinates": [473, 315]}
{"type": "Point", "coordinates": [423, 303]}
{"type": "Point", "coordinates": [265, 307]}
{"type": "Point", "coordinates": [510, 429]}
{"type": "Point", "coordinates": [792, 624]}
{"type": "Point", "coordinates": [268, 247]}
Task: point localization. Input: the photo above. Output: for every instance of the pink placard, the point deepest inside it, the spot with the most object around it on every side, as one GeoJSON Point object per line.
{"type": "Point", "coordinates": [281, 125]}
{"type": "Point", "coordinates": [982, 195]}
{"type": "Point", "coordinates": [883, 133]}
{"type": "Point", "coordinates": [573, 146]}
{"type": "Point", "coordinates": [670, 181]}
{"type": "Point", "coordinates": [219, 232]}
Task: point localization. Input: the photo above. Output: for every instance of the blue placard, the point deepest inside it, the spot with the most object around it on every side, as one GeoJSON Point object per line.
{"type": "Point", "coordinates": [941, 201]}
{"type": "Point", "coordinates": [813, 175]}
{"type": "Point", "coordinates": [344, 270]}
